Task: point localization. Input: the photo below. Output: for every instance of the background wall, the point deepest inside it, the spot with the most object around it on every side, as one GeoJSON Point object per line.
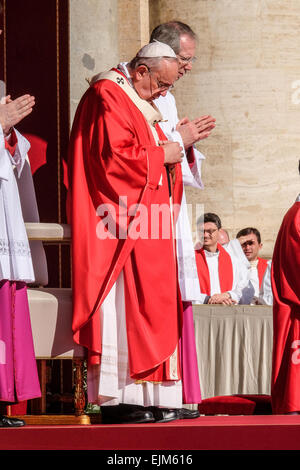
{"type": "Point", "coordinates": [248, 77]}
{"type": "Point", "coordinates": [93, 43]}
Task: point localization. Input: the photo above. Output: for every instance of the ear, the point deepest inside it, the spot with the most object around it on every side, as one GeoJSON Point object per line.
{"type": "Point", "coordinates": [141, 71]}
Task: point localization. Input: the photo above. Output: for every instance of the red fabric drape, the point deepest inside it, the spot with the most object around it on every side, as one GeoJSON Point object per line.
{"type": "Point", "coordinates": [285, 278]}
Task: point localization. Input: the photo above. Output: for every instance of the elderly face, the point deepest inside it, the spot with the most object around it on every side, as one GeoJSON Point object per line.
{"type": "Point", "coordinates": [250, 246]}
{"type": "Point", "coordinates": [156, 81]}
{"type": "Point", "coordinates": [186, 55]}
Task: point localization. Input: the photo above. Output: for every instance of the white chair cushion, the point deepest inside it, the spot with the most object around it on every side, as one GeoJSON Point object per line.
{"type": "Point", "coordinates": [51, 322]}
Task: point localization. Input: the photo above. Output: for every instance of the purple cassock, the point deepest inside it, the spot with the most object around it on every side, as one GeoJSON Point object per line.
{"type": "Point", "coordinates": [188, 358]}
{"type": "Point", "coordinates": [18, 371]}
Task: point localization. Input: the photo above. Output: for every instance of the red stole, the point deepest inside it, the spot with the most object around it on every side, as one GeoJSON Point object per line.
{"type": "Point", "coordinates": [225, 271]}
{"type": "Point", "coordinates": [261, 269]}
{"type": "Point", "coordinates": [11, 145]}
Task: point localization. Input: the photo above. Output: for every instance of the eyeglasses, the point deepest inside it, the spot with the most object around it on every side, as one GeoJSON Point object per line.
{"type": "Point", "coordinates": [210, 232]}
{"type": "Point", "coordinates": [186, 60]}
{"type": "Point", "coordinates": [161, 85]}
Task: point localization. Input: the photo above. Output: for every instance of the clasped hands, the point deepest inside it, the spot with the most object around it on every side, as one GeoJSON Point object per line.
{"type": "Point", "coordinates": [193, 131]}
{"type": "Point", "coordinates": [13, 111]}
{"type": "Point", "coordinates": [224, 299]}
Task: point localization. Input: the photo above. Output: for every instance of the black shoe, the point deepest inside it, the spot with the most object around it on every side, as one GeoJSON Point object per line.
{"type": "Point", "coordinates": [163, 415]}
{"type": "Point", "coordinates": [124, 413]}
{"type": "Point", "coordinates": [184, 413]}
{"type": "Point", "coordinates": [6, 422]}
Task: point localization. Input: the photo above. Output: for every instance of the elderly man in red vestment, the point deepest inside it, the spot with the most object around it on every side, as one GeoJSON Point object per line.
{"type": "Point", "coordinates": [123, 180]}
{"type": "Point", "coordinates": [285, 278]}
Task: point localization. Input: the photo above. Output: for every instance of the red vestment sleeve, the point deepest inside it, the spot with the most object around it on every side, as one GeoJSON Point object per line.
{"type": "Point", "coordinates": [190, 157]}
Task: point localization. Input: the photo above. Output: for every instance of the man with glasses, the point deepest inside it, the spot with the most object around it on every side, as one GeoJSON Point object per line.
{"type": "Point", "coordinates": [187, 132]}
{"type": "Point", "coordinates": [220, 279]}
{"type": "Point", "coordinates": [126, 308]}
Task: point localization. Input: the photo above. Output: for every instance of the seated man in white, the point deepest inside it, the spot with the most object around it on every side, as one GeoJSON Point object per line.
{"type": "Point", "coordinates": [221, 281]}
{"type": "Point", "coordinates": [258, 271]}
{"type": "Point", "coordinates": [233, 247]}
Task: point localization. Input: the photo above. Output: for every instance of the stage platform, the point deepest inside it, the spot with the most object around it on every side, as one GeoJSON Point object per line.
{"type": "Point", "coordinates": [204, 433]}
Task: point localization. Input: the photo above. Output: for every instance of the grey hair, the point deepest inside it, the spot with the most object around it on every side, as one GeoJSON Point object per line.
{"type": "Point", "coordinates": [150, 62]}
{"type": "Point", "coordinates": [170, 33]}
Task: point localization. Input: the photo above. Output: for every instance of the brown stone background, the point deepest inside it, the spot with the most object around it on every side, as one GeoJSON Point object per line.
{"type": "Point", "coordinates": [248, 77]}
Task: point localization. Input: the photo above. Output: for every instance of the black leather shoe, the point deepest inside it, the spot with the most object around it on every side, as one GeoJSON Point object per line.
{"type": "Point", "coordinates": [6, 422]}
{"type": "Point", "coordinates": [184, 413]}
{"type": "Point", "coordinates": [124, 413]}
{"type": "Point", "coordinates": [163, 415]}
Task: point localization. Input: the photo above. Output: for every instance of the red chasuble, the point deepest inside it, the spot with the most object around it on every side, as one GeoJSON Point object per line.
{"type": "Point", "coordinates": [285, 278]}
{"type": "Point", "coordinates": [116, 175]}
{"type": "Point", "coordinates": [225, 271]}
{"type": "Point", "coordinates": [261, 269]}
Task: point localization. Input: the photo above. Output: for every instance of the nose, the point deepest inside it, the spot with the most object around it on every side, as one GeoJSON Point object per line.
{"type": "Point", "coordinates": [188, 66]}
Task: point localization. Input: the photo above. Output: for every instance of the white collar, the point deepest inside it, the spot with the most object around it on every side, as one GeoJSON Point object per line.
{"type": "Point", "coordinates": [210, 254]}
{"type": "Point", "coordinates": [151, 113]}
{"type": "Point", "coordinates": [123, 68]}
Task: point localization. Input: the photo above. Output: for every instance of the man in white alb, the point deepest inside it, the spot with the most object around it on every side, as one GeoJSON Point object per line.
{"type": "Point", "coordinates": [18, 372]}
{"type": "Point", "coordinates": [187, 133]}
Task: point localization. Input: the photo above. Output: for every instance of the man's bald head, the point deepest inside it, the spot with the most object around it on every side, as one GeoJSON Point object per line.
{"type": "Point", "coordinates": [223, 236]}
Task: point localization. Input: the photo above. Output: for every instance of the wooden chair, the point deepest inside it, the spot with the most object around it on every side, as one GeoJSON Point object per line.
{"type": "Point", "coordinates": [51, 320]}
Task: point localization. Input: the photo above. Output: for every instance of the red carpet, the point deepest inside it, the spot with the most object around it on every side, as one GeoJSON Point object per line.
{"type": "Point", "coordinates": [204, 433]}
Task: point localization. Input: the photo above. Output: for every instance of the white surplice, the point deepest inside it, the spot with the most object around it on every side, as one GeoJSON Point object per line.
{"type": "Point", "coordinates": [110, 383]}
{"type": "Point", "coordinates": [247, 272]}
{"type": "Point", "coordinates": [191, 176]}
{"type": "Point", "coordinates": [239, 277]}
{"type": "Point", "coordinates": [15, 254]}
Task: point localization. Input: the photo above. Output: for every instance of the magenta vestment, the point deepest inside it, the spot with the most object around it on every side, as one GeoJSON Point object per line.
{"type": "Point", "coordinates": [188, 358]}
{"type": "Point", "coordinates": [18, 371]}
